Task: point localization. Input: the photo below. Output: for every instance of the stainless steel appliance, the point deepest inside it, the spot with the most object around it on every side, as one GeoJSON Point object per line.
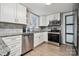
{"type": "Point", "coordinates": [54, 36]}
{"type": "Point", "coordinates": [27, 43]}
{"type": "Point", "coordinates": [54, 22]}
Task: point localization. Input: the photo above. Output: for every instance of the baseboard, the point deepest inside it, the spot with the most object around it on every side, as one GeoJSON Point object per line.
{"type": "Point", "coordinates": [54, 43]}
{"type": "Point", "coordinates": [40, 44]}
{"type": "Point", "coordinates": [69, 43]}
{"type": "Point", "coordinates": [76, 50]}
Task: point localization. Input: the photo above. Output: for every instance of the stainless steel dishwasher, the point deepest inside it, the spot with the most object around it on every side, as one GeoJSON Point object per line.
{"type": "Point", "coordinates": [27, 43]}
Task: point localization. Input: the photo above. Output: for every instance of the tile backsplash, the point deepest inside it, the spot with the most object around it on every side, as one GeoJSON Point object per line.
{"type": "Point", "coordinates": [7, 29]}
{"type": "Point", "coordinates": [51, 28]}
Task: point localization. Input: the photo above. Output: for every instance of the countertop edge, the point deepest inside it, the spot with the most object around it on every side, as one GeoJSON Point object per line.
{"type": "Point", "coordinates": [16, 34]}
{"type": "Point", "coordinates": [28, 33]}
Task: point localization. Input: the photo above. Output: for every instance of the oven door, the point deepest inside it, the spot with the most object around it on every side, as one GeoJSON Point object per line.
{"type": "Point", "coordinates": [53, 37]}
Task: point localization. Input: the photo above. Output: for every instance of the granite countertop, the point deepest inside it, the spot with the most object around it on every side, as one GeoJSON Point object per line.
{"type": "Point", "coordinates": [16, 34]}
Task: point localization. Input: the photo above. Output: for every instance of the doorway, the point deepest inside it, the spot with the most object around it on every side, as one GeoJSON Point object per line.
{"type": "Point", "coordinates": [69, 29]}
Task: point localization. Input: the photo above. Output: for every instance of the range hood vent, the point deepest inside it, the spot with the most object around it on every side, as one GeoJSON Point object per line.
{"type": "Point", "coordinates": [54, 22]}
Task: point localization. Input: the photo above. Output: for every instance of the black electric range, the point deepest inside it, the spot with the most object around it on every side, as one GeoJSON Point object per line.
{"type": "Point", "coordinates": [54, 36]}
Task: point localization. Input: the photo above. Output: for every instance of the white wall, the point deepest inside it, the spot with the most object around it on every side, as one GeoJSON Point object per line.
{"type": "Point", "coordinates": [63, 26]}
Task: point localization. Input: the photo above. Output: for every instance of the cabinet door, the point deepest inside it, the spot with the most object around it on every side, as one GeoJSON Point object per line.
{"type": "Point", "coordinates": [41, 39]}
{"type": "Point", "coordinates": [42, 21]}
{"type": "Point", "coordinates": [47, 18]}
{"type": "Point", "coordinates": [36, 39]}
{"type": "Point", "coordinates": [8, 12]}
{"type": "Point", "coordinates": [21, 14]}
{"type": "Point", "coordinates": [45, 36]}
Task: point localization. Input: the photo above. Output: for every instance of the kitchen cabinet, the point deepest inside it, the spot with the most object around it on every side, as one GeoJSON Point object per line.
{"type": "Point", "coordinates": [14, 43]}
{"type": "Point", "coordinates": [21, 14]}
{"type": "Point", "coordinates": [36, 39]}
{"type": "Point", "coordinates": [45, 36]}
{"type": "Point", "coordinates": [40, 38]}
{"type": "Point", "coordinates": [8, 12]}
{"type": "Point", "coordinates": [43, 21]}
{"type": "Point", "coordinates": [13, 13]}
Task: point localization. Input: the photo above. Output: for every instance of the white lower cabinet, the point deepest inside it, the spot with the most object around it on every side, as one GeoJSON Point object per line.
{"type": "Point", "coordinates": [45, 36]}
{"type": "Point", "coordinates": [14, 43]}
{"type": "Point", "coordinates": [40, 37]}
{"type": "Point", "coordinates": [36, 39]}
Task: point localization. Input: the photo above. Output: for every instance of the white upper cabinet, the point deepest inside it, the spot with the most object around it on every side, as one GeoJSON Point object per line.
{"type": "Point", "coordinates": [8, 12]}
{"type": "Point", "coordinates": [13, 13]}
{"type": "Point", "coordinates": [43, 21]}
{"type": "Point", "coordinates": [21, 14]}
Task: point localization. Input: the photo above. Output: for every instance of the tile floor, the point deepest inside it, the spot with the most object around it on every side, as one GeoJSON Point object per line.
{"type": "Point", "coordinates": [47, 49]}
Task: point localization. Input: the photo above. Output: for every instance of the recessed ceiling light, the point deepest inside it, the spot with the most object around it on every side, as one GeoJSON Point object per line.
{"type": "Point", "coordinates": [48, 3]}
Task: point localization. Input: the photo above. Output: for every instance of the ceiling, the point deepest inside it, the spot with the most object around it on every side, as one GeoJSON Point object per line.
{"type": "Point", "coordinates": [43, 9]}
